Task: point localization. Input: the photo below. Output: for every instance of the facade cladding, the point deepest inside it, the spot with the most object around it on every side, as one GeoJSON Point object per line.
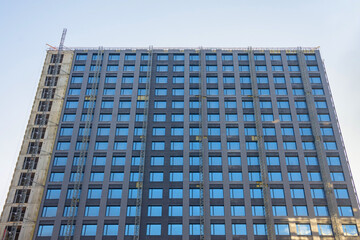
{"type": "Point", "coordinates": [237, 144]}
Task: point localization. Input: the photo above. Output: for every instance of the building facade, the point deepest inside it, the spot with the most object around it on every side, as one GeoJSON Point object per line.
{"type": "Point", "coordinates": [182, 144]}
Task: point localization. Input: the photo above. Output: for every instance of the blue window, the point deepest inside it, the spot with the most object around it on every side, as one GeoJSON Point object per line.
{"type": "Point", "coordinates": [45, 230]}
{"type": "Point", "coordinates": [49, 212]}
{"type": "Point", "coordinates": [129, 68]}
{"type": "Point", "coordinates": [243, 57]}
{"type": "Point", "coordinates": [177, 104]}
{"type": "Point", "coordinates": [175, 193]}
{"type": "Point", "coordinates": [63, 146]}
{"type": "Point", "coordinates": [120, 145]}
{"type": "Point", "coordinates": [112, 68]}
{"type": "Point", "coordinates": [79, 68]}
{"type": "Point", "coordinates": [350, 230]}
{"type": "Point", "coordinates": [272, 161]}
{"type": "Point", "coordinates": [308, 145]}
{"type": "Point", "coordinates": [230, 146]}
{"type": "Point", "coordinates": [311, 161]}
{"type": "Point", "coordinates": [122, 131]}
{"type": "Point", "coordinates": [177, 117]}
{"type": "Point", "coordinates": [99, 161]}
{"type": "Point", "coordinates": [137, 145]}
{"type": "Point", "coordinates": [215, 176]}
{"type": "Point", "coordinates": [94, 193]}
{"type": "Point", "coordinates": [315, 80]}
{"type": "Point", "coordinates": [251, 146]}
{"type": "Point", "coordinates": [244, 68]}
{"type": "Point", "coordinates": [228, 68]}
{"type": "Point", "coordinates": [303, 117]}
{"type": "Point", "coordinates": [345, 211]}
{"type": "Point", "coordinates": [81, 57]}
{"type": "Point", "coordinates": [157, 161]}
{"type": "Point", "coordinates": [246, 91]}
{"type": "Point", "coordinates": [253, 161]}
{"type": "Point", "coordinates": [214, 131]}
{"type": "Point", "coordinates": [275, 176]}
{"type": "Point", "coordinates": [177, 131]}
{"type": "Point", "coordinates": [217, 229]}
{"type": "Point", "coordinates": [245, 80]}
{"type": "Point", "coordinates": [281, 91]}
{"type": "Point", "coordinates": [238, 229]}
{"type": "Point", "coordinates": [337, 176]}
{"type": "Point", "coordinates": [127, 80]}
{"type": "Point", "coordinates": [262, 80]}
{"type": "Point", "coordinates": [76, 79]}
{"type": "Point", "coordinates": [267, 117]}
{"type": "Point", "coordinates": [216, 210]}
{"type": "Point", "coordinates": [118, 161]}
{"type": "Point", "coordinates": [175, 229]}
{"type": "Point", "coordinates": [159, 117]}
{"type": "Point", "coordinates": [194, 145]}
{"type": "Point", "coordinates": [194, 176]}
{"type": "Point", "coordinates": [285, 117]}
{"type": "Point", "coordinates": [179, 57]}
{"type": "Point", "coordinates": [111, 230]}
{"type": "Point", "coordinates": [297, 193]}
{"type": "Point", "coordinates": [260, 68]}
{"type": "Point", "coordinates": [330, 145]}
{"type": "Point", "coordinates": [305, 131]}
{"type": "Point", "coordinates": [258, 210]}
{"type": "Point", "coordinates": [289, 145]}
{"type": "Point", "coordinates": [292, 160]}
{"type": "Point", "coordinates": [275, 57]}
{"type": "Point", "coordinates": [310, 57]}
{"type": "Point", "coordinates": [153, 229]}
{"type": "Point", "coordinates": [314, 176]}
{"type": "Point", "coordinates": [313, 68]}
{"type": "Point", "coordinates": [116, 176]}
{"type": "Point", "coordinates": [279, 211]}
{"type": "Point", "coordinates": [277, 68]}
{"type": "Point", "coordinates": [210, 57]}
{"type": "Point", "coordinates": [109, 91]}
{"type": "Point", "coordinates": [74, 91]}
{"type": "Point", "coordinates": [114, 193]}
{"type": "Point", "coordinates": [161, 80]}
{"type": "Point", "coordinates": [156, 176]}
{"type": "Point", "coordinates": [318, 91]}
{"type": "Point", "coordinates": [235, 176]}
{"type": "Point", "coordinates": [282, 229]}
{"type": "Point", "coordinates": [321, 211]}
{"type": "Point", "coordinates": [178, 68]}
{"type": "Point", "coordinates": [175, 211]}
{"type": "Point", "coordinates": [333, 161]}
{"type": "Point", "coordinates": [294, 176]}
{"type": "Point", "coordinates": [271, 146]}
{"type": "Point", "coordinates": [260, 229]}
{"type": "Point", "coordinates": [88, 230]}
{"type": "Point", "coordinates": [236, 193]}
{"type": "Point", "coordinates": [324, 117]}
{"type": "Point", "coordinates": [66, 131]}
{"type": "Point", "coordinates": [320, 104]}
{"type": "Point", "coordinates": [215, 161]}
{"type": "Point", "coordinates": [178, 92]}
{"type": "Point", "coordinates": [60, 161]}
{"type": "Point", "coordinates": [248, 117]}
{"type": "Point", "coordinates": [318, 193]}
{"type": "Point", "coordinates": [160, 91]}
{"type": "Point", "coordinates": [291, 57]}
{"type": "Point", "coordinates": [101, 145]}
{"type": "Point", "coordinates": [178, 79]}
{"type": "Point", "coordinates": [259, 57]}
{"type": "Point", "coordinates": [294, 68]}
{"type": "Point", "coordinates": [277, 193]}
{"type": "Point", "coordinates": [227, 57]}
{"type": "Point", "coordinates": [103, 131]}
{"type": "Point", "coordinates": [143, 79]}
{"type": "Point", "coordinates": [238, 211]}
{"type": "Point", "coordinates": [213, 117]}
{"type": "Point", "coordinates": [158, 146]}
{"type": "Point", "coordinates": [194, 68]}
{"type": "Point", "coordinates": [214, 193]}
{"type": "Point", "coordinates": [123, 117]}
{"type": "Point", "coordinates": [265, 104]}
{"type": "Point", "coordinates": [124, 104]}
{"type": "Point", "coordinates": [327, 131]}
{"type": "Point", "coordinates": [254, 176]}
{"type": "Point", "coordinates": [341, 193]}
{"type": "Point", "coordinates": [283, 104]}
{"type": "Point", "coordinates": [264, 91]}
{"type": "Point", "coordinates": [279, 80]}
{"type": "Point", "coordinates": [212, 80]}
{"type": "Point", "coordinates": [162, 68]}
{"type": "Point", "coordinates": [194, 57]}
{"type": "Point", "coordinates": [212, 91]}
{"type": "Point", "coordinates": [160, 104]}
{"type": "Point", "coordinates": [159, 131]}
{"type": "Point", "coordinates": [91, 211]}
{"type": "Point", "coordinates": [177, 146]}
{"type": "Point", "coordinates": [247, 104]}
{"type": "Point", "coordinates": [325, 230]}
{"type": "Point", "coordinates": [268, 131]}
{"type": "Point", "coordinates": [71, 104]}
{"type": "Point", "coordinates": [162, 57]}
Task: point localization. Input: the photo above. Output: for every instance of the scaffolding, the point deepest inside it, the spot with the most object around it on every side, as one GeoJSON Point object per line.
{"type": "Point", "coordinates": [264, 184]}
{"type": "Point", "coordinates": [328, 186]}
{"type": "Point", "coordinates": [75, 199]}
{"type": "Point", "coordinates": [139, 183]}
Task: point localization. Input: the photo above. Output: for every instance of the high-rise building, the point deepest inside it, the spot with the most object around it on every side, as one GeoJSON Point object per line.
{"type": "Point", "coordinates": [191, 143]}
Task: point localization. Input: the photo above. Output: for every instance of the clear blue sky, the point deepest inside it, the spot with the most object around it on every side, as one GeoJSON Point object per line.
{"type": "Point", "coordinates": [26, 26]}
